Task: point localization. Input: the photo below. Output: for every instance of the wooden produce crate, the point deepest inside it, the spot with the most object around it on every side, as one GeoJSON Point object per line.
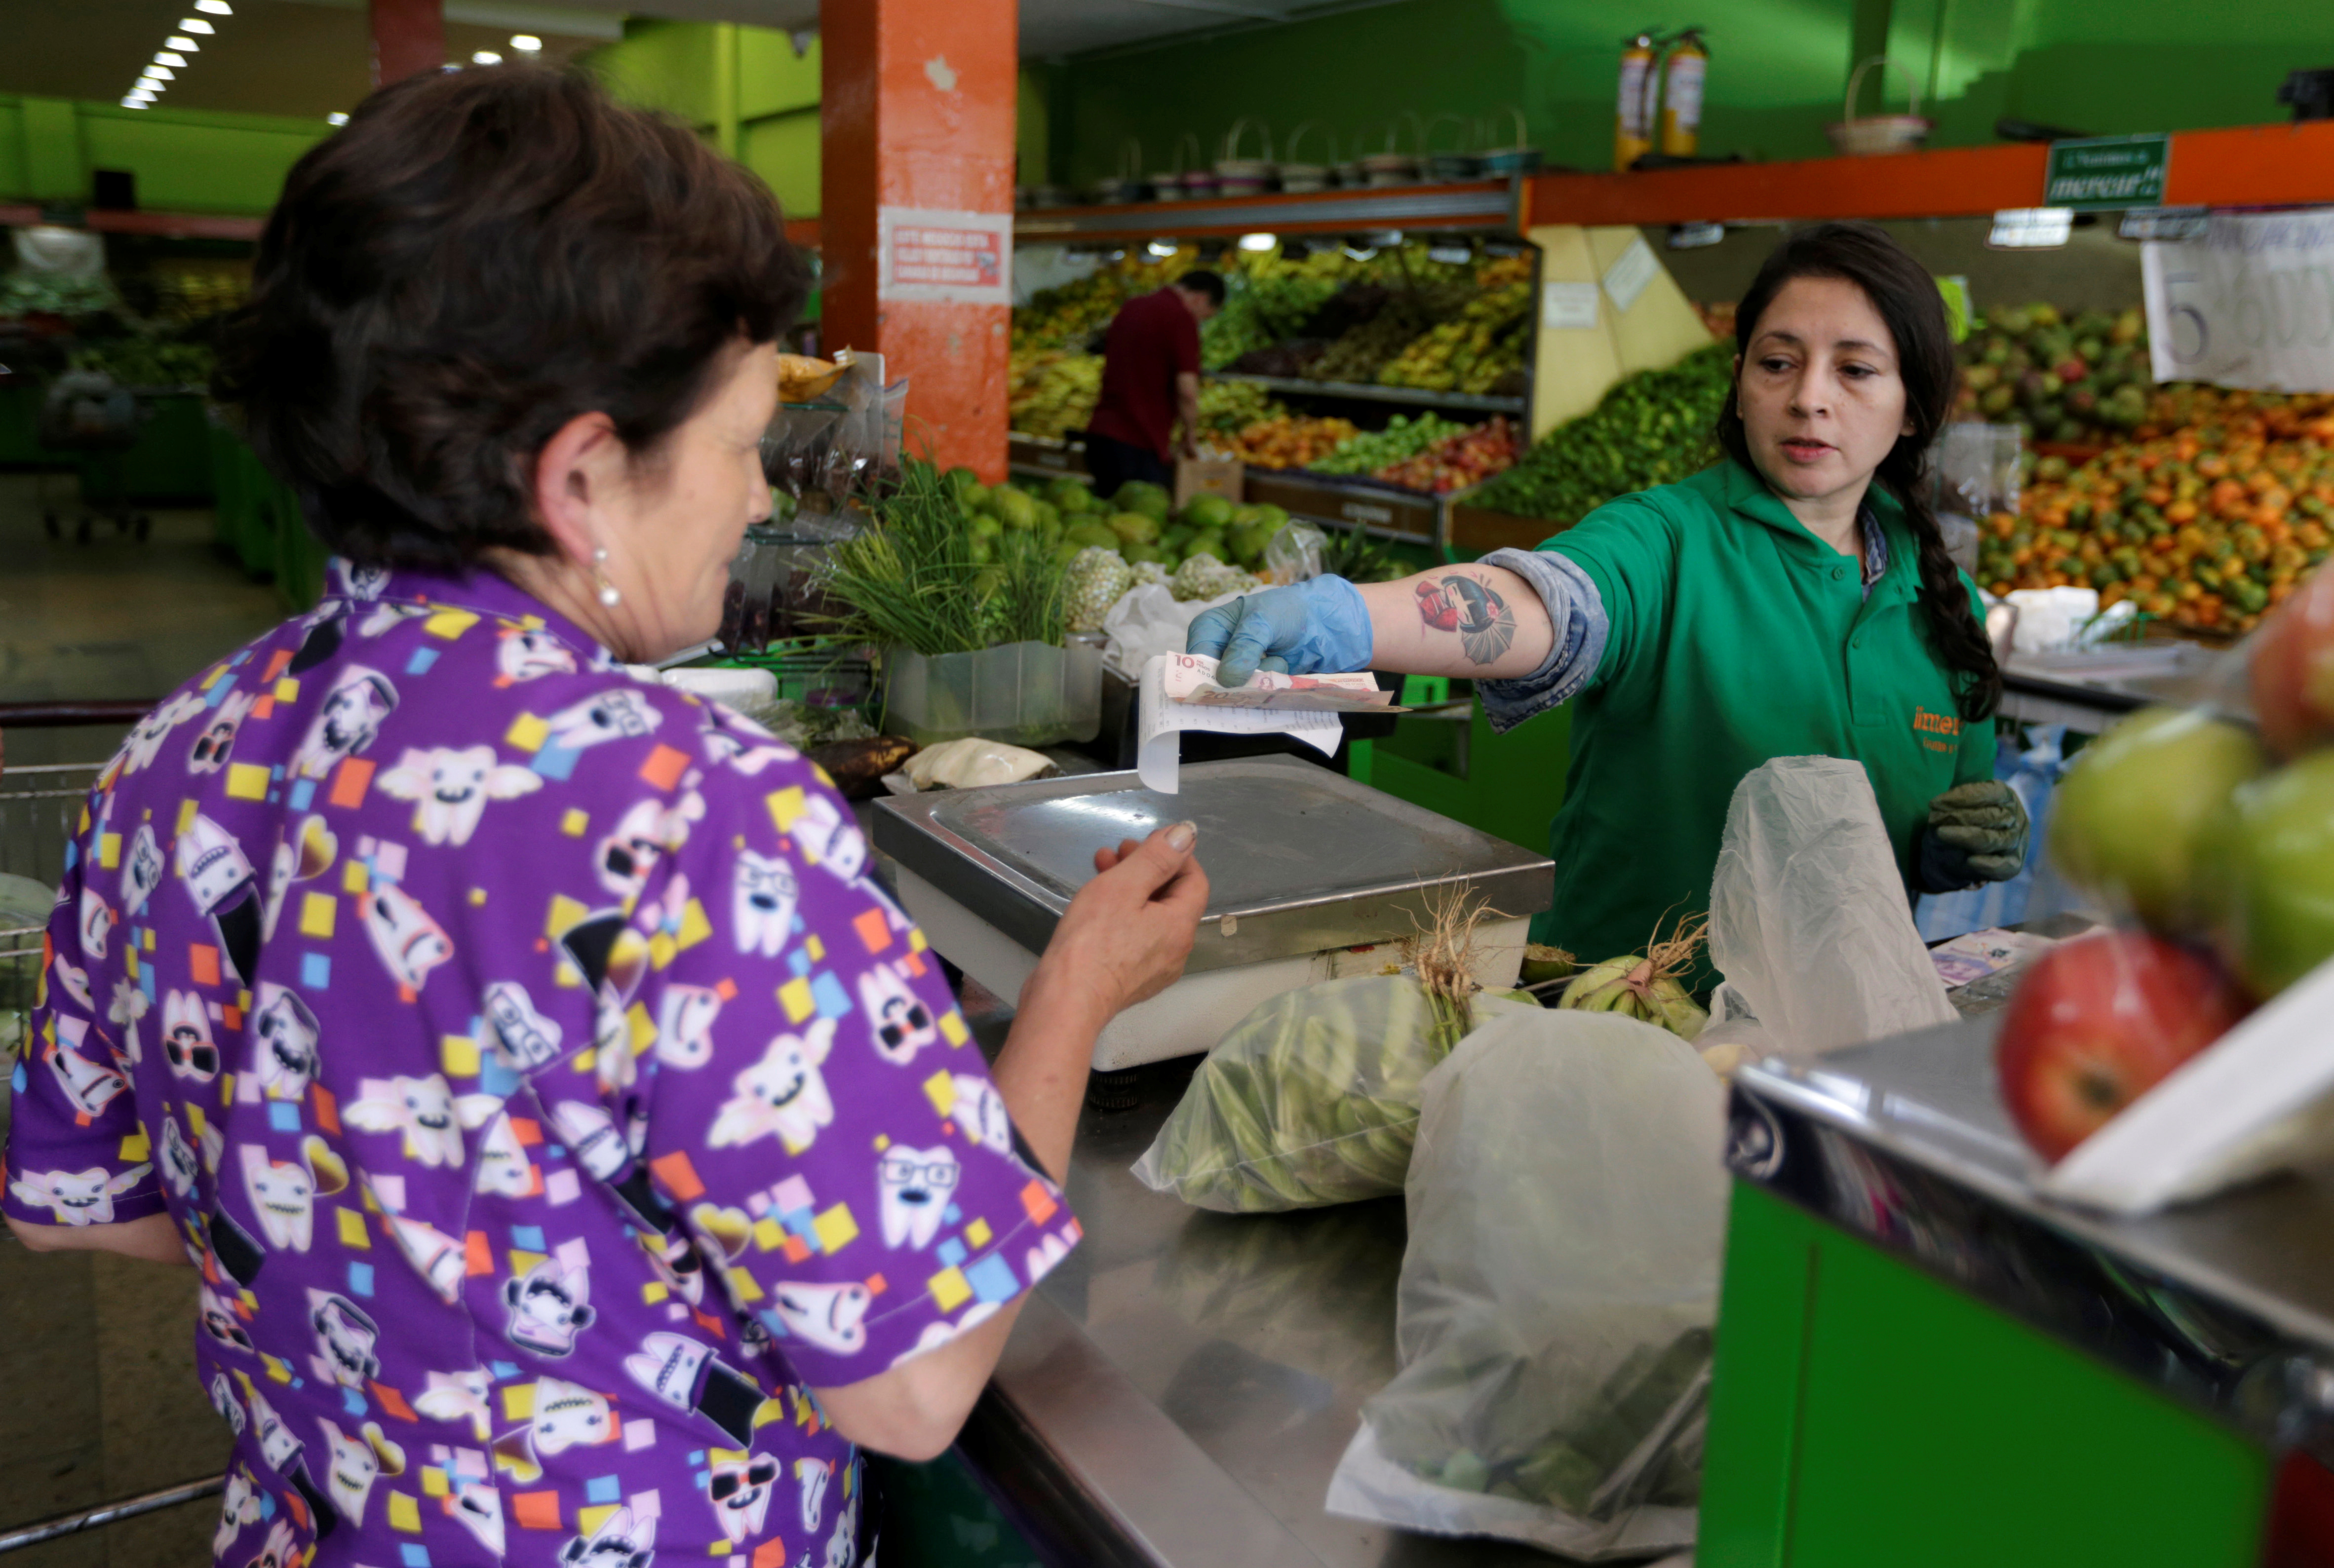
{"type": "Point", "coordinates": [1043, 453]}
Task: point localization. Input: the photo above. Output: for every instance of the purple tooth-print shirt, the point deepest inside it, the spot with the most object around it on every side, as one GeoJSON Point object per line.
{"type": "Point", "coordinates": [547, 1095]}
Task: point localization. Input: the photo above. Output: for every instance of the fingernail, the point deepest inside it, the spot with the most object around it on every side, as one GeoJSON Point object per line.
{"type": "Point", "coordinates": [1183, 835]}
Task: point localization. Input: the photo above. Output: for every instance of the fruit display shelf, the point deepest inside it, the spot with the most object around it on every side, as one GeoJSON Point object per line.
{"type": "Point", "coordinates": [1380, 509]}
{"type": "Point", "coordinates": [1371, 392]}
{"type": "Point", "coordinates": [1044, 456]}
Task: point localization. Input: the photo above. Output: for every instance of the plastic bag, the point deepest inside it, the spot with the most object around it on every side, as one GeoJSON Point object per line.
{"type": "Point", "coordinates": [1312, 1098]}
{"type": "Point", "coordinates": [1567, 1214]}
{"type": "Point", "coordinates": [1148, 621]}
{"type": "Point", "coordinates": [1295, 553]}
{"type": "Point", "coordinates": [1809, 920]}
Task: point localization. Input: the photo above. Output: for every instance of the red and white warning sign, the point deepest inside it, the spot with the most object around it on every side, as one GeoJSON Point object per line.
{"type": "Point", "coordinates": [963, 258]}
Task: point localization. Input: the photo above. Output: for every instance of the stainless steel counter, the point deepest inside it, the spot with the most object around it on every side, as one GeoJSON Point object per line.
{"type": "Point", "coordinates": [1183, 1384]}
{"type": "Point", "coordinates": [2089, 691]}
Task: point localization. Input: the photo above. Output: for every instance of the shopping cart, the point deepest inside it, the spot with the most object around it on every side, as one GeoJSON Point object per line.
{"type": "Point", "coordinates": [90, 413]}
{"type": "Point", "coordinates": [39, 806]}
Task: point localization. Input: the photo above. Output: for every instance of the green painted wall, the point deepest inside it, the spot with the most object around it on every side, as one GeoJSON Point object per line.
{"type": "Point", "coordinates": [1777, 73]}
{"type": "Point", "coordinates": [186, 160]}
{"type": "Point", "coordinates": [674, 66]}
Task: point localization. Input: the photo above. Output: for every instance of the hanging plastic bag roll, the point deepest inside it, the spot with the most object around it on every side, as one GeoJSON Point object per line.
{"type": "Point", "coordinates": [1161, 723]}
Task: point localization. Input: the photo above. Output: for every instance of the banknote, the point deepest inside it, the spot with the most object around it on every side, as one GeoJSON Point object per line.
{"type": "Point", "coordinates": [1190, 677]}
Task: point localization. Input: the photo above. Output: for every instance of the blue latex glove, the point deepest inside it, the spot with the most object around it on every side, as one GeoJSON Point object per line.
{"type": "Point", "coordinates": [1305, 629]}
{"type": "Point", "coordinates": [1976, 833]}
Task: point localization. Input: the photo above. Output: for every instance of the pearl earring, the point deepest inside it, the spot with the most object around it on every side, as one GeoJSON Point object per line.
{"type": "Point", "coordinates": [608, 595]}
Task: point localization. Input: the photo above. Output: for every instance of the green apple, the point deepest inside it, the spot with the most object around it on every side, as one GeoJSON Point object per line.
{"type": "Point", "coordinates": [2127, 821]}
{"type": "Point", "coordinates": [2273, 896]}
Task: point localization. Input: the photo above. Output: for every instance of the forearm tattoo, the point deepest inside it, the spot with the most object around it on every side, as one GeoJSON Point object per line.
{"type": "Point", "coordinates": [1458, 603]}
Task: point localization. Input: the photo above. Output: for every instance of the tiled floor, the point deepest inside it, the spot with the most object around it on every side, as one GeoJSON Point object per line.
{"type": "Point", "coordinates": [98, 1396]}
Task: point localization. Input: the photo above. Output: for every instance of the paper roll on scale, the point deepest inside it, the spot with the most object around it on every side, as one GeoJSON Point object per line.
{"type": "Point", "coordinates": [1178, 692]}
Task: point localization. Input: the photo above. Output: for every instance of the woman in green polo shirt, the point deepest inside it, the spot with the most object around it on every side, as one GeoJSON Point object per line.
{"type": "Point", "coordinates": [1778, 603]}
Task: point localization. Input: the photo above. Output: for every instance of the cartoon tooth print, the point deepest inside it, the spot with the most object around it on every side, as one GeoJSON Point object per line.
{"type": "Point", "coordinates": [784, 1093]}
{"type": "Point", "coordinates": [620, 1542]}
{"type": "Point", "coordinates": [645, 834]}
{"type": "Point", "coordinates": [180, 1167]}
{"type": "Point", "coordinates": [749, 753]}
{"type": "Point", "coordinates": [283, 1452]}
{"type": "Point", "coordinates": [283, 1194]}
{"type": "Point", "coordinates": [830, 840]}
{"type": "Point", "coordinates": [218, 1320]}
{"type": "Point", "coordinates": [843, 1546]}
{"type": "Point", "coordinates": [224, 1401]}
{"type": "Point", "coordinates": [449, 789]}
{"type": "Point", "coordinates": [590, 1134]}
{"type": "Point", "coordinates": [366, 582]}
{"type": "Point", "coordinates": [667, 1366]}
{"type": "Point", "coordinates": [740, 1491]}
{"type": "Point", "coordinates": [504, 1168]}
{"type": "Point", "coordinates": [899, 1023]}
{"type": "Point", "coordinates": [142, 871]}
{"type": "Point", "coordinates": [981, 1111]}
{"type": "Point", "coordinates": [303, 854]}
{"type": "Point", "coordinates": [144, 743]}
{"type": "Point", "coordinates": [90, 1085]}
{"type": "Point", "coordinates": [410, 943]}
{"type": "Point", "coordinates": [420, 1109]}
{"type": "Point", "coordinates": [522, 654]}
{"type": "Point", "coordinates": [277, 1550]}
{"type": "Point", "coordinates": [73, 981]}
{"type": "Point", "coordinates": [389, 617]}
{"type": "Point", "coordinates": [1039, 1260]}
{"type": "Point", "coordinates": [458, 1397]}
{"type": "Point", "coordinates": [354, 1462]}
{"type": "Point", "coordinates": [220, 881]}
{"type": "Point", "coordinates": [187, 1036]}
{"type": "Point", "coordinates": [130, 1003]}
{"type": "Point", "coordinates": [568, 1416]}
{"type": "Point", "coordinates": [685, 1026]}
{"type": "Point", "coordinates": [479, 1506]}
{"type": "Point", "coordinates": [829, 1316]}
{"type": "Point", "coordinates": [285, 1035]}
{"type": "Point", "coordinates": [916, 1184]}
{"type": "Point", "coordinates": [238, 1508]}
{"type": "Point", "coordinates": [216, 740]}
{"type": "Point", "coordinates": [521, 1036]}
{"type": "Point", "coordinates": [811, 1477]}
{"type": "Point", "coordinates": [617, 715]}
{"type": "Point", "coordinates": [96, 923]}
{"type": "Point", "coordinates": [436, 1257]}
{"type": "Point", "coordinates": [762, 896]}
{"type": "Point", "coordinates": [346, 1337]}
{"type": "Point", "coordinates": [548, 1307]}
{"type": "Point", "coordinates": [347, 723]}
{"type": "Point", "coordinates": [76, 1197]}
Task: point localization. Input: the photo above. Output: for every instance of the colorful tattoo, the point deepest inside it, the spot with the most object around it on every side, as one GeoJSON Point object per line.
{"type": "Point", "coordinates": [1485, 624]}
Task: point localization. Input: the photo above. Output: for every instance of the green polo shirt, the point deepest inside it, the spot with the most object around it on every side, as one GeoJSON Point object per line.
{"type": "Point", "coordinates": [1736, 636]}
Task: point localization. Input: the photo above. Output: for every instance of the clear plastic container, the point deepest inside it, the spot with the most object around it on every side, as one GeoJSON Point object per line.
{"type": "Point", "coordinates": [1021, 693]}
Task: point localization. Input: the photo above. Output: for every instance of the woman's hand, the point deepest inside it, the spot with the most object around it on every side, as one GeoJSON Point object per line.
{"type": "Point", "coordinates": [1976, 833]}
{"type": "Point", "coordinates": [1484, 622]}
{"type": "Point", "coordinates": [1128, 931]}
{"type": "Point", "coordinates": [1309, 627]}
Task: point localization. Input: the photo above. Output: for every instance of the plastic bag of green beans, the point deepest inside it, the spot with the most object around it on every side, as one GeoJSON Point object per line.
{"type": "Point", "coordinates": [1313, 1098]}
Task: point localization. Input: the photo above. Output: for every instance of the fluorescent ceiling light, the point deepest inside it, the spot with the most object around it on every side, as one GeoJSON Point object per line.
{"type": "Point", "coordinates": [214, 7]}
{"type": "Point", "coordinates": [166, 58]}
{"type": "Point", "coordinates": [1257, 241]}
{"type": "Point", "coordinates": [161, 73]}
{"type": "Point", "coordinates": [184, 45]}
{"type": "Point", "coordinates": [1160, 247]}
{"type": "Point", "coordinates": [196, 25]}
{"type": "Point", "coordinates": [134, 103]}
{"type": "Point", "coordinates": [486, 57]}
{"type": "Point", "coordinates": [336, 118]}
{"type": "Point", "coordinates": [526, 43]}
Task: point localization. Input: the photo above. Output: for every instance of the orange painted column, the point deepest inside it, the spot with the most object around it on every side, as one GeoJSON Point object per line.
{"type": "Point", "coordinates": [408, 36]}
{"type": "Point", "coordinates": [916, 230]}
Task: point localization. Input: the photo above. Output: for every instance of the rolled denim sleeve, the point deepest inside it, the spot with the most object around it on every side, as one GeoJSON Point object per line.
{"type": "Point", "coordinates": [1576, 612]}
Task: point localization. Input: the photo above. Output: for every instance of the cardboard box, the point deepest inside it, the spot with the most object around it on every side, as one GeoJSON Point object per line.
{"type": "Point", "coordinates": [1207, 476]}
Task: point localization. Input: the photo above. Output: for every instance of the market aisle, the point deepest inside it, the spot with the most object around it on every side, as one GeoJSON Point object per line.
{"type": "Point", "coordinates": [98, 1351]}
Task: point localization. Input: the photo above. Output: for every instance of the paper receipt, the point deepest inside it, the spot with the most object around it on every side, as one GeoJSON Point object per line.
{"type": "Point", "coordinates": [1161, 720]}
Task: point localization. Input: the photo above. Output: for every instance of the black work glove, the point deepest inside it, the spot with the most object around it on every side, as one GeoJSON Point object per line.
{"type": "Point", "coordinates": [1976, 833]}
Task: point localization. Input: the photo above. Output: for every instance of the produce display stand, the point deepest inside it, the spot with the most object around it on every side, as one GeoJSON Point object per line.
{"type": "Point", "coordinates": [1922, 1362]}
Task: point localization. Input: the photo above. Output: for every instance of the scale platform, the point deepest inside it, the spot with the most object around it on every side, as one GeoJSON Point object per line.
{"type": "Point", "coordinates": [1305, 867]}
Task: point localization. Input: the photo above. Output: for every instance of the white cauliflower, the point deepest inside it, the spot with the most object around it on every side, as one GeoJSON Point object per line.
{"type": "Point", "coordinates": [1093, 581]}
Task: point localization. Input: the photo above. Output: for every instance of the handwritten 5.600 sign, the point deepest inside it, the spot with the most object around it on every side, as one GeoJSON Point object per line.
{"type": "Point", "coordinates": [2250, 304]}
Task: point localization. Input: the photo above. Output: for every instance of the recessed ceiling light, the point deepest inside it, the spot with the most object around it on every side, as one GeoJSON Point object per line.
{"type": "Point", "coordinates": [187, 45]}
{"type": "Point", "coordinates": [526, 43]}
{"type": "Point", "coordinates": [1258, 241]}
{"type": "Point", "coordinates": [214, 7]}
{"type": "Point", "coordinates": [161, 73]}
{"type": "Point", "coordinates": [164, 57]}
{"type": "Point", "coordinates": [336, 118]}
{"type": "Point", "coordinates": [486, 57]}
{"type": "Point", "coordinates": [196, 25]}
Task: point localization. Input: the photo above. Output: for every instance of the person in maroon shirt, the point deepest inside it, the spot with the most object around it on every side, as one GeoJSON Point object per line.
{"type": "Point", "coordinates": [1150, 382]}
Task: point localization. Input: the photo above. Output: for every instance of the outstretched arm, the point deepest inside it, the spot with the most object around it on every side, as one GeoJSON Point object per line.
{"type": "Point", "coordinates": [1484, 622]}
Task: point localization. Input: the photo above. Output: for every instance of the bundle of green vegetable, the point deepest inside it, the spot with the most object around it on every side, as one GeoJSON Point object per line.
{"type": "Point", "coordinates": [1403, 437]}
{"type": "Point", "coordinates": [1652, 429]}
{"type": "Point", "coordinates": [1645, 986]}
{"type": "Point", "coordinates": [932, 575]}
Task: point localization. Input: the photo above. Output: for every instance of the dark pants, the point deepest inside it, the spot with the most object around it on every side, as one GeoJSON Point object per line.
{"type": "Point", "coordinates": [1113, 463]}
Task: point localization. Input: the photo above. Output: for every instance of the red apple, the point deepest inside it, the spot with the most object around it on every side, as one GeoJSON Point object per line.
{"type": "Point", "coordinates": [2098, 1022]}
{"type": "Point", "coordinates": [2292, 668]}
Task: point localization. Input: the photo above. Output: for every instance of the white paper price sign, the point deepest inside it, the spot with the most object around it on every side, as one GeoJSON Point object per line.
{"type": "Point", "coordinates": [2249, 303]}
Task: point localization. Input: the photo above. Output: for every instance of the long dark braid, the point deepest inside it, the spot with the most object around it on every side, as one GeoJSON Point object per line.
{"type": "Point", "coordinates": [1906, 297]}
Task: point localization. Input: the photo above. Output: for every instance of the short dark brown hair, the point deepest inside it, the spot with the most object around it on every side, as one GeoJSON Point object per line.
{"type": "Point", "coordinates": [478, 258]}
{"type": "Point", "coordinates": [1200, 281]}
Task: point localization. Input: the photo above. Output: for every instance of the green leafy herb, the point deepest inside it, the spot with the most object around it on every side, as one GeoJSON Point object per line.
{"type": "Point", "coordinates": [921, 575]}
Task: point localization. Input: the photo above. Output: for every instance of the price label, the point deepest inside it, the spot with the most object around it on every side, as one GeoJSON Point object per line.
{"type": "Point", "coordinates": [2101, 173]}
{"type": "Point", "coordinates": [2249, 304]}
{"type": "Point", "coordinates": [1567, 306]}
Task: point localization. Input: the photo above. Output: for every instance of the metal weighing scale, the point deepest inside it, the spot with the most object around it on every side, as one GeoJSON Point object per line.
{"type": "Point", "coordinates": [1303, 866]}
{"type": "Point", "coordinates": [1924, 1362]}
